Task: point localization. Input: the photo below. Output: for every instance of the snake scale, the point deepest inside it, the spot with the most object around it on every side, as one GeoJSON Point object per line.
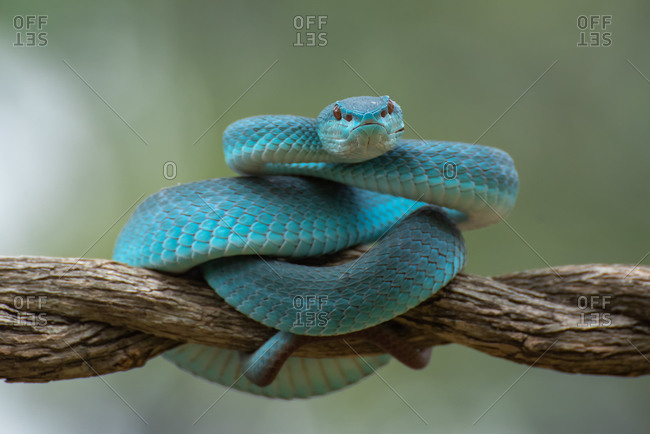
{"type": "Point", "coordinates": [312, 187]}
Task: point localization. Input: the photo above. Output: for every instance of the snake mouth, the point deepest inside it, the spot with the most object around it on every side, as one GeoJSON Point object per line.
{"type": "Point", "coordinates": [368, 123]}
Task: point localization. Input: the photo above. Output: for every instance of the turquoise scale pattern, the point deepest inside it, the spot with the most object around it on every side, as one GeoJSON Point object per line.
{"type": "Point", "coordinates": [254, 141]}
{"type": "Point", "coordinates": [181, 227]}
{"type": "Point", "coordinates": [299, 377]}
{"type": "Point", "coordinates": [477, 184]}
{"type": "Point", "coordinates": [419, 256]}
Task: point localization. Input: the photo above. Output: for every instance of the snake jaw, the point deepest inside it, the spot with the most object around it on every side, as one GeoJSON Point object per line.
{"type": "Point", "coordinates": [369, 123]}
{"type": "Point", "coordinates": [372, 139]}
{"type": "Point", "coordinates": [365, 142]}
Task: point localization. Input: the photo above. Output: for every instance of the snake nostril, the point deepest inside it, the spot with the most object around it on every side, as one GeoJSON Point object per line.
{"type": "Point", "coordinates": [348, 117]}
{"type": "Point", "coordinates": [383, 113]}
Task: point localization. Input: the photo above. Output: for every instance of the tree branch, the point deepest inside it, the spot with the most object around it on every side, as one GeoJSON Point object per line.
{"type": "Point", "coordinates": [65, 318]}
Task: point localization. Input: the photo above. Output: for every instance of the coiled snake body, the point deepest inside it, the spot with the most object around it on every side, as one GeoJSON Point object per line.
{"type": "Point", "coordinates": [316, 186]}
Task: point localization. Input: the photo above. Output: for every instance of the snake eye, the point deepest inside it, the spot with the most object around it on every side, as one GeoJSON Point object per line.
{"type": "Point", "coordinates": [337, 112]}
{"type": "Point", "coordinates": [348, 117]}
{"type": "Point", "coordinates": [383, 113]}
{"type": "Point", "coordinates": [391, 107]}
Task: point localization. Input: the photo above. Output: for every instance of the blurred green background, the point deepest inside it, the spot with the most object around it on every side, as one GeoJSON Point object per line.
{"type": "Point", "coordinates": [579, 137]}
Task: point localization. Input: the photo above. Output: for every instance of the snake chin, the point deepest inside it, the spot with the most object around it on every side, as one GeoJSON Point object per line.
{"type": "Point", "coordinates": [364, 143]}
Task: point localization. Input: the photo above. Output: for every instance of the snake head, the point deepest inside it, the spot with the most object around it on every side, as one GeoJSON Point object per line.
{"type": "Point", "coordinates": [360, 128]}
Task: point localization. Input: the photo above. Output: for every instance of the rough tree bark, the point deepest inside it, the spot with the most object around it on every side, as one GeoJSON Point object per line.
{"type": "Point", "coordinates": [65, 318]}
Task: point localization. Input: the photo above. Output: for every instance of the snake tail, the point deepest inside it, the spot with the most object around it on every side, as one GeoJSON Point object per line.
{"type": "Point", "coordinates": [262, 366]}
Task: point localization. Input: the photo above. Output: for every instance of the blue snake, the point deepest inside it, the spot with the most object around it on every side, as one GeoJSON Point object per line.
{"type": "Point", "coordinates": [313, 187]}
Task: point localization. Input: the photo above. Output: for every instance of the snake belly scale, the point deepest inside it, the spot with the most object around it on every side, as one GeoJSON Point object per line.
{"type": "Point", "coordinates": [313, 187]}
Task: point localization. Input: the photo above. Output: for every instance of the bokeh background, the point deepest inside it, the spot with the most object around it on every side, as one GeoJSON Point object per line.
{"type": "Point", "coordinates": [89, 119]}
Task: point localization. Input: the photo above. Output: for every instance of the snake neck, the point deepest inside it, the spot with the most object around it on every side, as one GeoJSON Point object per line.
{"type": "Point", "coordinates": [251, 143]}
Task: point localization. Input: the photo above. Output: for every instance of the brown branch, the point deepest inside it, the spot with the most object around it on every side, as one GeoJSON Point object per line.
{"type": "Point", "coordinates": [65, 318]}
